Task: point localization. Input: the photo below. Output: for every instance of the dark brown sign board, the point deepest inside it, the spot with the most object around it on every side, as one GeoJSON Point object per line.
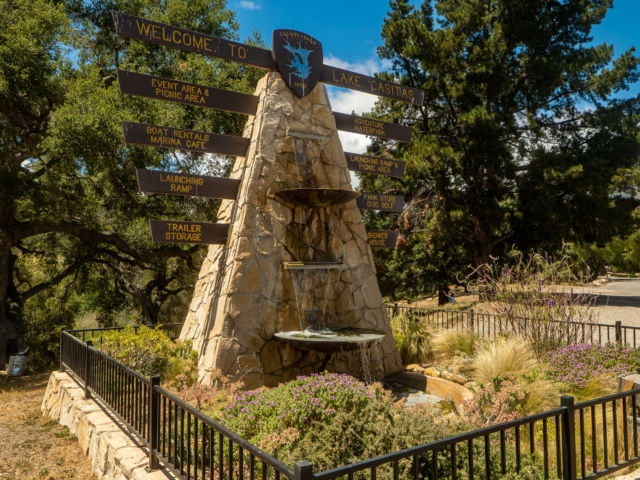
{"type": "Point", "coordinates": [375, 86]}
{"type": "Point", "coordinates": [175, 91]}
{"type": "Point", "coordinates": [186, 185]}
{"type": "Point", "coordinates": [382, 238]}
{"type": "Point", "coordinates": [376, 165]}
{"type": "Point", "coordinates": [177, 231]}
{"type": "Point", "coordinates": [372, 127]}
{"type": "Point", "coordinates": [189, 41]}
{"type": "Point", "coordinates": [180, 139]}
{"type": "Point", "coordinates": [380, 201]}
{"type": "Point", "coordinates": [166, 35]}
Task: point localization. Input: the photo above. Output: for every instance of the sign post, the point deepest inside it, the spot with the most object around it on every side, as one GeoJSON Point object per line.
{"type": "Point", "coordinates": [382, 238]}
{"type": "Point", "coordinates": [380, 201]}
{"type": "Point", "coordinates": [376, 165]}
{"type": "Point", "coordinates": [372, 127]}
{"type": "Point", "coordinates": [181, 139]}
{"type": "Point", "coordinates": [186, 185]}
{"type": "Point", "coordinates": [177, 231]}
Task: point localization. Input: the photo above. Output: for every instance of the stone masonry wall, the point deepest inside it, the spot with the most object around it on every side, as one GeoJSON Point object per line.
{"type": "Point", "coordinates": [114, 454]}
{"type": "Point", "coordinates": [243, 295]}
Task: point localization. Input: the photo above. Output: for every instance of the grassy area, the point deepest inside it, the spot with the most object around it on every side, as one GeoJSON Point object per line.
{"type": "Point", "coordinates": [32, 446]}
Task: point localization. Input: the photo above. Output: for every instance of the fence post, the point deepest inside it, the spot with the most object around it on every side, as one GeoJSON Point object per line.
{"type": "Point", "coordinates": [154, 423]}
{"type": "Point", "coordinates": [568, 438]}
{"type": "Point", "coordinates": [61, 368]}
{"type": "Point", "coordinates": [395, 309]}
{"type": "Point", "coordinates": [618, 331]}
{"type": "Point", "coordinates": [471, 321]}
{"type": "Point", "coordinates": [87, 369]}
{"type": "Point", "coordinates": [303, 470]}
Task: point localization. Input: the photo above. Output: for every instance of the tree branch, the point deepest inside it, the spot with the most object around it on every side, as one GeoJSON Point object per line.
{"type": "Point", "coordinates": [74, 267]}
{"type": "Point", "coordinates": [30, 229]}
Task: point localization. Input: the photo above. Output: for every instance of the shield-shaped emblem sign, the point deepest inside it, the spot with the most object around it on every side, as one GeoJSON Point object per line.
{"type": "Point", "coordinates": [299, 59]}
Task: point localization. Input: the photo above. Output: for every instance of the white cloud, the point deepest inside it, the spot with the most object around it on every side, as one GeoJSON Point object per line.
{"type": "Point", "coordinates": [248, 5]}
{"type": "Point", "coordinates": [347, 101]}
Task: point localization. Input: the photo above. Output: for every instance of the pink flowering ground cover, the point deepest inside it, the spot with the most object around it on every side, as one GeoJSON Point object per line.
{"type": "Point", "coordinates": [578, 365]}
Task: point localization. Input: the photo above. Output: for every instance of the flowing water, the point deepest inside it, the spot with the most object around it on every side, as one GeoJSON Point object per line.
{"type": "Point", "coordinates": [313, 289]}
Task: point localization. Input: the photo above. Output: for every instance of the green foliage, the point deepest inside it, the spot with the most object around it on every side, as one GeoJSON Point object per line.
{"type": "Point", "coordinates": [151, 352]}
{"type": "Point", "coordinates": [413, 339]}
{"type": "Point", "coordinates": [333, 420]}
{"type": "Point", "coordinates": [72, 222]}
{"type": "Point", "coordinates": [509, 397]}
{"type": "Point", "coordinates": [451, 343]}
{"type": "Point", "coordinates": [504, 150]}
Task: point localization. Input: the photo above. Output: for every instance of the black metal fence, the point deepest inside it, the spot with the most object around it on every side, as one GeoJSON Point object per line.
{"type": "Point", "coordinates": [575, 441]}
{"type": "Point", "coordinates": [172, 330]}
{"type": "Point", "coordinates": [176, 435]}
{"type": "Point", "coordinates": [492, 325]}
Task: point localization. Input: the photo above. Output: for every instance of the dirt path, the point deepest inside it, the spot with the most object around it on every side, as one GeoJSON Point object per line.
{"type": "Point", "coordinates": [31, 446]}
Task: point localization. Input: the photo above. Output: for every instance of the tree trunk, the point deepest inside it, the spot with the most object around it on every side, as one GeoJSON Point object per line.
{"type": "Point", "coordinates": [443, 292]}
{"type": "Point", "coordinates": [11, 327]}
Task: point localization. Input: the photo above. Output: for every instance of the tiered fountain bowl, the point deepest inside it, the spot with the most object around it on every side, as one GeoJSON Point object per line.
{"type": "Point", "coordinates": [317, 197]}
{"type": "Point", "coordinates": [332, 340]}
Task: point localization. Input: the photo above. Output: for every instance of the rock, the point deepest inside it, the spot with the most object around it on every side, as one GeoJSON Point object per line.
{"type": "Point", "coordinates": [432, 372]}
{"type": "Point", "coordinates": [459, 379]}
{"type": "Point", "coordinates": [446, 375]}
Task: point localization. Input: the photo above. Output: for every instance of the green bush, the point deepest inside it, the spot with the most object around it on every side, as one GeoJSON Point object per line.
{"type": "Point", "coordinates": [413, 339]}
{"type": "Point", "coordinates": [151, 352]}
{"type": "Point", "coordinates": [332, 420]}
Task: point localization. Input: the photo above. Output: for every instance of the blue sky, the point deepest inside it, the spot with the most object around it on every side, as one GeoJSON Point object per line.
{"type": "Point", "coordinates": [350, 29]}
{"type": "Point", "coordinates": [350, 32]}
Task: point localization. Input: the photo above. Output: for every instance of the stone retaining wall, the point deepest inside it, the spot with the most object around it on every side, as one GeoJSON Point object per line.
{"type": "Point", "coordinates": [114, 453]}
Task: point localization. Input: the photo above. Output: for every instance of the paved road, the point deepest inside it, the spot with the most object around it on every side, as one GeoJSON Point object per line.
{"type": "Point", "coordinates": [621, 292]}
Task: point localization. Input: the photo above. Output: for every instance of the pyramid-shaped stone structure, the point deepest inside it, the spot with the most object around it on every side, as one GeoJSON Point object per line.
{"type": "Point", "coordinates": [244, 295]}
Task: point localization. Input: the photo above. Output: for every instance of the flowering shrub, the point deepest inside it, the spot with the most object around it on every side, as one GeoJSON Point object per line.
{"type": "Point", "coordinates": [577, 365]}
{"type": "Point", "coordinates": [498, 402]}
{"type": "Point", "coordinates": [298, 405]}
{"type": "Point", "coordinates": [330, 420]}
{"type": "Point", "coordinates": [211, 398]}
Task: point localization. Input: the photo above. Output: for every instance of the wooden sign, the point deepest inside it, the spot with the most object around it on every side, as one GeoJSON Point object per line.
{"type": "Point", "coordinates": [299, 60]}
{"type": "Point", "coordinates": [189, 41]}
{"type": "Point", "coordinates": [375, 86]}
{"type": "Point", "coordinates": [177, 231]}
{"type": "Point", "coordinates": [372, 127]}
{"type": "Point", "coordinates": [166, 35]}
{"type": "Point", "coordinates": [175, 91]}
{"type": "Point", "coordinates": [186, 185]}
{"type": "Point", "coordinates": [375, 165]}
{"type": "Point", "coordinates": [180, 139]}
{"type": "Point", "coordinates": [382, 238]}
{"type": "Point", "coordinates": [380, 201]}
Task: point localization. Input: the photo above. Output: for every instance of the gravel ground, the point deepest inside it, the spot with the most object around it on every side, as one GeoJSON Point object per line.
{"type": "Point", "coordinates": [31, 446]}
{"type": "Point", "coordinates": [627, 315]}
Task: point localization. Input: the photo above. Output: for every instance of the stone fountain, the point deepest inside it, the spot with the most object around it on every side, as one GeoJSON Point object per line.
{"type": "Point", "coordinates": [295, 283]}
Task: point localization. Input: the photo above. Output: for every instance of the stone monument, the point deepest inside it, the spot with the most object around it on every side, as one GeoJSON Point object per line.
{"type": "Point", "coordinates": [245, 292]}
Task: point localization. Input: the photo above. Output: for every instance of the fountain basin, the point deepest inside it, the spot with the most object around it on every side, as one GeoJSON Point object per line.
{"type": "Point", "coordinates": [317, 197]}
{"type": "Point", "coordinates": [314, 266]}
{"type": "Point", "coordinates": [331, 340]}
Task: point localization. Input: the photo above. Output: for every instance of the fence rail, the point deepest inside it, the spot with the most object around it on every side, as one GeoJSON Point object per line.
{"type": "Point", "coordinates": [580, 441]}
{"type": "Point", "coordinates": [491, 325]}
{"type": "Point", "coordinates": [95, 334]}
